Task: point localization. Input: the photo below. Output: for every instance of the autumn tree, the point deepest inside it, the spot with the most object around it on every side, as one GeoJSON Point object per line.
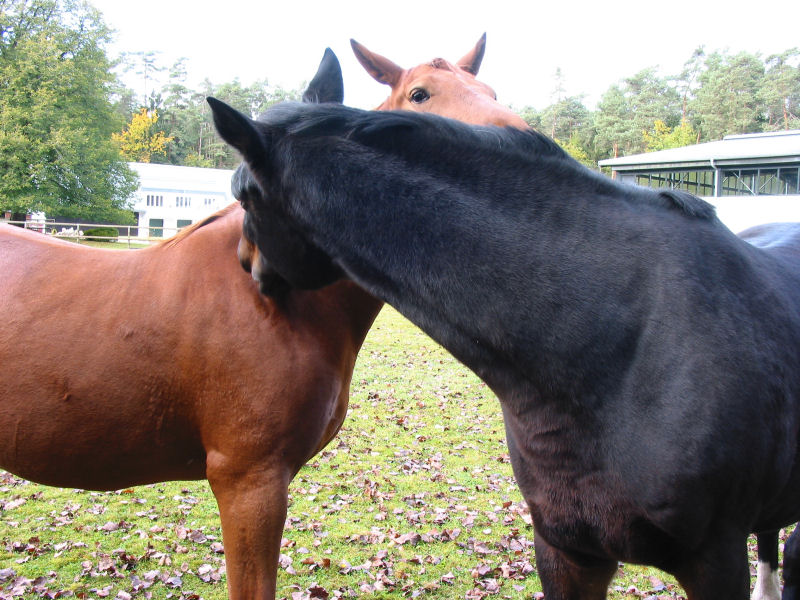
{"type": "Point", "coordinates": [140, 140]}
{"type": "Point", "coordinates": [56, 118]}
{"type": "Point", "coordinates": [662, 137]}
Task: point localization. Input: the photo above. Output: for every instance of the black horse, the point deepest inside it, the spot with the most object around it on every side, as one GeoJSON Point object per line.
{"type": "Point", "coordinates": [647, 360]}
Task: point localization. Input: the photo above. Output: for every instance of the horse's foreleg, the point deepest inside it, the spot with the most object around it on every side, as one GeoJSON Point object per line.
{"type": "Point", "coordinates": [768, 586]}
{"type": "Point", "coordinates": [564, 579]}
{"type": "Point", "coordinates": [252, 508]}
{"type": "Point", "coordinates": [791, 566]}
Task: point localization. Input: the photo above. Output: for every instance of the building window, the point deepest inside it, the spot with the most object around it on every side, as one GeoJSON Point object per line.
{"type": "Point", "coordinates": [698, 182]}
{"type": "Point", "coordinates": [156, 227]}
{"type": "Point", "coordinates": [153, 200]}
{"type": "Point", "coordinates": [750, 181]}
{"type": "Point", "coordinates": [208, 202]}
{"type": "Point", "coordinates": [767, 181]}
{"type": "Point", "coordinates": [184, 223]}
{"type": "Point", "coordinates": [183, 201]}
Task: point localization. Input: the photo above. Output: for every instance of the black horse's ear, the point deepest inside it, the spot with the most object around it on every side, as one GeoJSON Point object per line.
{"type": "Point", "coordinates": [327, 85]}
{"type": "Point", "coordinates": [238, 130]}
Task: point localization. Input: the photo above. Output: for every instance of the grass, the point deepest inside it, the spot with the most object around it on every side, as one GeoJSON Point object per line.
{"type": "Point", "coordinates": [415, 497]}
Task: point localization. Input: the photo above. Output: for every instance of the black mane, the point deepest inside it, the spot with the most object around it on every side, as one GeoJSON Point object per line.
{"type": "Point", "coordinates": [403, 133]}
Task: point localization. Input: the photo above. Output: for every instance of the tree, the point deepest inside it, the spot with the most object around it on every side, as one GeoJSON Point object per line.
{"type": "Point", "coordinates": [626, 110]}
{"type": "Point", "coordinates": [146, 65]}
{"type": "Point", "coordinates": [576, 151]}
{"type": "Point", "coordinates": [56, 120]}
{"type": "Point", "coordinates": [727, 100]}
{"type": "Point", "coordinates": [531, 116]}
{"type": "Point", "coordinates": [610, 122]}
{"type": "Point", "coordinates": [197, 143]}
{"type": "Point", "coordinates": [566, 117]}
{"type": "Point", "coordinates": [140, 140]}
{"type": "Point", "coordinates": [780, 91]}
{"type": "Point", "coordinates": [686, 83]}
{"type": "Point", "coordinates": [662, 137]}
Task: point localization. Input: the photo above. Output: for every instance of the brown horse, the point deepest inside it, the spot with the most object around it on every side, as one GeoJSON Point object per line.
{"type": "Point", "coordinates": [121, 368]}
{"type": "Point", "coordinates": [440, 87]}
{"type": "Point", "coordinates": [130, 367]}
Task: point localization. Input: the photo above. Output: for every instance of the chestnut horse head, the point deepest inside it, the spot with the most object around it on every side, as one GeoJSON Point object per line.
{"type": "Point", "coordinates": [440, 87]}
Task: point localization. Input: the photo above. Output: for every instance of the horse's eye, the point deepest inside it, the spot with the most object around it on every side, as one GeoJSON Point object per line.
{"type": "Point", "coordinates": [419, 95]}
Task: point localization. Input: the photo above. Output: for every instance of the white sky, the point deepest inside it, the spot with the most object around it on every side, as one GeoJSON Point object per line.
{"type": "Point", "coordinates": [595, 44]}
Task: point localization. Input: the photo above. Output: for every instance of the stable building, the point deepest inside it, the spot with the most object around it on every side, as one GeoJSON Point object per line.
{"type": "Point", "coordinates": [171, 197]}
{"type": "Point", "coordinates": [750, 178]}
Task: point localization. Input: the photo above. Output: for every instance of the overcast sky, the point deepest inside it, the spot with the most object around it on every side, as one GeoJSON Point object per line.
{"type": "Point", "coordinates": [594, 44]}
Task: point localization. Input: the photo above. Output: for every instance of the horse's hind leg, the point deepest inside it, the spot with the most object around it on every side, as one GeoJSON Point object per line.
{"type": "Point", "coordinates": [564, 579]}
{"type": "Point", "coordinates": [768, 586]}
{"type": "Point", "coordinates": [719, 570]}
{"type": "Point", "coordinates": [252, 507]}
{"type": "Point", "coordinates": [791, 566]}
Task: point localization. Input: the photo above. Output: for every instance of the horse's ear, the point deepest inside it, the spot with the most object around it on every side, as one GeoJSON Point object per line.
{"type": "Point", "coordinates": [238, 130]}
{"type": "Point", "coordinates": [327, 85]}
{"type": "Point", "coordinates": [381, 68]}
{"type": "Point", "coordinates": [471, 61]}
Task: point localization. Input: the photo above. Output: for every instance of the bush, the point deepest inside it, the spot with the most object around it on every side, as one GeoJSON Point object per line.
{"type": "Point", "coordinates": [102, 233]}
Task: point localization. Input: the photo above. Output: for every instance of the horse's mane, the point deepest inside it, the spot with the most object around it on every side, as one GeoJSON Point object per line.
{"type": "Point", "coordinates": [403, 133]}
{"type": "Point", "coordinates": [387, 130]}
{"type": "Point", "coordinates": [187, 231]}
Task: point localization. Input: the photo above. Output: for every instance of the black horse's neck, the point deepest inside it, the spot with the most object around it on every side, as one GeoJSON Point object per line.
{"type": "Point", "coordinates": [530, 271]}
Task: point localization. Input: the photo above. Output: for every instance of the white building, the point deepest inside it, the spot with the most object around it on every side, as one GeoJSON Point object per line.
{"type": "Point", "coordinates": [171, 197]}
{"type": "Point", "coordinates": [750, 178]}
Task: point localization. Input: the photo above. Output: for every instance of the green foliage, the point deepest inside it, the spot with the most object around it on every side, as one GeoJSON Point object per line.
{"type": "Point", "coordinates": [185, 117]}
{"type": "Point", "coordinates": [780, 90]}
{"type": "Point", "coordinates": [531, 116]}
{"type": "Point", "coordinates": [56, 119]}
{"type": "Point", "coordinates": [715, 94]}
{"type": "Point", "coordinates": [566, 117]}
{"type": "Point", "coordinates": [102, 232]}
{"type": "Point", "coordinates": [662, 137]}
{"type": "Point", "coordinates": [576, 151]}
{"type": "Point", "coordinates": [727, 100]}
{"type": "Point", "coordinates": [628, 109]}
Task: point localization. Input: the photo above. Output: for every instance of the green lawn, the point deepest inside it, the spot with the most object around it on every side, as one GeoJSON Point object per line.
{"type": "Point", "coordinates": [415, 497]}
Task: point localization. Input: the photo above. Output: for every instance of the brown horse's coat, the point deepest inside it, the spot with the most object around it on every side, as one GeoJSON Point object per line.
{"type": "Point", "coordinates": [128, 367]}
{"type": "Point", "coordinates": [120, 368]}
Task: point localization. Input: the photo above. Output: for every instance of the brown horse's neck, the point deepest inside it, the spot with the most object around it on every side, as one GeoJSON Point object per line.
{"type": "Point", "coordinates": [343, 306]}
